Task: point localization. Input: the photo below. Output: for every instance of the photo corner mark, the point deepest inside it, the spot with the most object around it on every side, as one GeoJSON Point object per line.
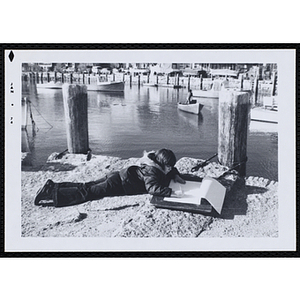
{"type": "Point", "coordinates": [11, 56]}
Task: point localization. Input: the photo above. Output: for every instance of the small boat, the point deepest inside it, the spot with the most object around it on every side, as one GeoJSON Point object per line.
{"type": "Point", "coordinates": [173, 86]}
{"type": "Point", "coordinates": [150, 84]}
{"type": "Point", "coordinates": [49, 85]}
{"type": "Point", "coordinates": [206, 94]}
{"type": "Point", "coordinates": [107, 86]}
{"type": "Point", "coordinates": [259, 114]}
{"type": "Point", "coordinates": [194, 108]}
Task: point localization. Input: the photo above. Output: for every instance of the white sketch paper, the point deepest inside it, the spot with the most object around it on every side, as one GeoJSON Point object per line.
{"type": "Point", "coordinates": [209, 189]}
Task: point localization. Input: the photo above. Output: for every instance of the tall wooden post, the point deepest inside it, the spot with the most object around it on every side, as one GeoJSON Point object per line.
{"type": "Point", "coordinates": [242, 82]}
{"type": "Point", "coordinates": [139, 80]}
{"type": "Point", "coordinates": [273, 83]}
{"type": "Point", "coordinates": [234, 108]}
{"type": "Point", "coordinates": [76, 116]}
{"type": "Point", "coordinates": [201, 82]}
{"type": "Point", "coordinates": [255, 90]}
{"type": "Point", "coordinates": [189, 82]}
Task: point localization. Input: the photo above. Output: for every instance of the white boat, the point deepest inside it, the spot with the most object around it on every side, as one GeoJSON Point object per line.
{"type": "Point", "coordinates": [107, 86]}
{"type": "Point", "coordinates": [260, 114]}
{"type": "Point", "coordinates": [206, 94]}
{"type": "Point", "coordinates": [150, 84]}
{"type": "Point", "coordinates": [194, 108]}
{"type": "Point", "coordinates": [49, 85]}
{"type": "Point", "coordinates": [224, 73]}
{"type": "Point", "coordinates": [174, 86]}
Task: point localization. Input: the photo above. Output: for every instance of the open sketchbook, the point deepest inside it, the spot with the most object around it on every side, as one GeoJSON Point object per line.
{"type": "Point", "coordinates": [193, 192]}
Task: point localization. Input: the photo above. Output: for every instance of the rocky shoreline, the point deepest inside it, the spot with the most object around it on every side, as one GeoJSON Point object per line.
{"type": "Point", "coordinates": [250, 208]}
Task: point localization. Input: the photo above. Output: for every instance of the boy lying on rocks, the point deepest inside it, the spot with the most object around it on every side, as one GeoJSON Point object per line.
{"type": "Point", "coordinates": [153, 176]}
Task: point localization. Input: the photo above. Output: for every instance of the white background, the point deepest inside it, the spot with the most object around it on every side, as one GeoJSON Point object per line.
{"type": "Point", "coordinates": [285, 60]}
{"type": "Point", "coordinates": [160, 22]}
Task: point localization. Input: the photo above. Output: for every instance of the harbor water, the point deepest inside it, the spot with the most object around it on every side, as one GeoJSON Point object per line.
{"type": "Point", "coordinates": [141, 118]}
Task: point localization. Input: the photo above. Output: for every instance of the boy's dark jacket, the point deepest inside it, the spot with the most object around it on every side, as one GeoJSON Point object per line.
{"type": "Point", "coordinates": [148, 177]}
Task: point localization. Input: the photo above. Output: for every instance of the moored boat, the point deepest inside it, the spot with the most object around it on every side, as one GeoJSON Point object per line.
{"type": "Point", "coordinates": [194, 108]}
{"type": "Point", "coordinates": [150, 84]}
{"type": "Point", "coordinates": [206, 94]}
{"type": "Point", "coordinates": [260, 114]}
{"type": "Point", "coordinates": [108, 86]}
{"type": "Point", "coordinates": [49, 85]}
{"type": "Point", "coordinates": [173, 86]}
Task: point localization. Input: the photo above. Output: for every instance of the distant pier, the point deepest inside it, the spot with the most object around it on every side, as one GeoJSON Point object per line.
{"type": "Point", "coordinates": [259, 88]}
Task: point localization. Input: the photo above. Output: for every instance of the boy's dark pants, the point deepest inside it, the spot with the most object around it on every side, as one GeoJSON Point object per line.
{"type": "Point", "coordinates": [72, 193]}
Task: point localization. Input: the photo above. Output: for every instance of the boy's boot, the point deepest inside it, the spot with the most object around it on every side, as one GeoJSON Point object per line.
{"type": "Point", "coordinates": [45, 193]}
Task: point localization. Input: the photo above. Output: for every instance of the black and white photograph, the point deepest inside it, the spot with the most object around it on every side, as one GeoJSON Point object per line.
{"type": "Point", "coordinates": [150, 150]}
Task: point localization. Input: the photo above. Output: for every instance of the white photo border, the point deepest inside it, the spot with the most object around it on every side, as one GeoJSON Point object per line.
{"type": "Point", "coordinates": [283, 55]}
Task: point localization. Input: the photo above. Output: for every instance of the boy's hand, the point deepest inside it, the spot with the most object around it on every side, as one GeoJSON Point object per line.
{"type": "Point", "coordinates": [177, 194]}
{"type": "Point", "coordinates": [179, 179]}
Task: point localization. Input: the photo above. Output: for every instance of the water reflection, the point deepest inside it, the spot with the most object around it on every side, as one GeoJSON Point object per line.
{"type": "Point", "coordinates": [145, 118]}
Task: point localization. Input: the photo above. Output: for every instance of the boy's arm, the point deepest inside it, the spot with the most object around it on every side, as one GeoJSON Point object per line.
{"type": "Point", "coordinates": [175, 175]}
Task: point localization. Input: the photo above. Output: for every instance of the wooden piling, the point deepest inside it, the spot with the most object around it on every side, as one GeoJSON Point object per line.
{"type": "Point", "coordinates": [177, 80]}
{"type": "Point", "coordinates": [24, 112]}
{"type": "Point", "coordinates": [255, 90]}
{"type": "Point", "coordinates": [273, 83]}
{"type": "Point", "coordinates": [76, 117]}
{"type": "Point", "coordinates": [201, 82]}
{"type": "Point", "coordinates": [234, 108]}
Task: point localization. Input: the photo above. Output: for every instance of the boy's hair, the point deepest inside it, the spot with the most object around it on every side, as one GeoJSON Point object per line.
{"type": "Point", "coordinates": [165, 157]}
